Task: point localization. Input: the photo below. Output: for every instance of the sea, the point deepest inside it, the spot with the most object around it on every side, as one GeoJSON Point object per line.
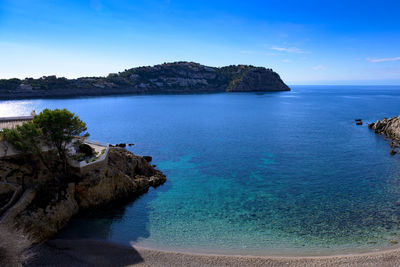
{"type": "Point", "coordinates": [283, 173]}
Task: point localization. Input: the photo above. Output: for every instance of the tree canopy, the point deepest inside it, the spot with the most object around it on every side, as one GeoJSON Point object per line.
{"type": "Point", "coordinates": [54, 128]}
{"type": "Point", "coordinates": [25, 138]}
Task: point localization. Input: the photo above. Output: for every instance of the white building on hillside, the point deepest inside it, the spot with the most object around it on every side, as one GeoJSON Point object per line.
{"type": "Point", "coordinates": [12, 122]}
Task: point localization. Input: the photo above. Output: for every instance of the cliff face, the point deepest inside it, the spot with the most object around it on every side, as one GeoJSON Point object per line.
{"type": "Point", "coordinates": [258, 79]}
{"type": "Point", "coordinates": [172, 78]}
{"type": "Point", "coordinates": [41, 213]}
{"type": "Point", "coordinates": [125, 175]}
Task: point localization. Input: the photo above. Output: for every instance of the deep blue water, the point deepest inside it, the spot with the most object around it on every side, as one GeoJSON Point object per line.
{"type": "Point", "coordinates": [249, 173]}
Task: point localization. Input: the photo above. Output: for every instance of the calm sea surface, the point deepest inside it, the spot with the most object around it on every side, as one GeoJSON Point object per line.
{"type": "Point", "coordinates": [273, 173]}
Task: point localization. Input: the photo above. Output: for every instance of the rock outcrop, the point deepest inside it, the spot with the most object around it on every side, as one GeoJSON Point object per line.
{"type": "Point", "coordinates": [390, 128]}
{"type": "Point", "coordinates": [258, 79]}
{"type": "Point", "coordinates": [40, 223]}
{"type": "Point", "coordinates": [126, 174]}
{"type": "Point", "coordinates": [167, 78]}
{"type": "Point", "coordinates": [43, 211]}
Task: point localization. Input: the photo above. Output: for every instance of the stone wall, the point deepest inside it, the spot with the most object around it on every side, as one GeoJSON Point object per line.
{"type": "Point", "coordinates": [7, 150]}
{"type": "Point", "coordinates": [85, 167]}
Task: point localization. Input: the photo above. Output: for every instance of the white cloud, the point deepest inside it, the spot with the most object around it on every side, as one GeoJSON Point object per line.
{"type": "Point", "coordinates": [319, 67]}
{"type": "Point", "coordinates": [288, 49]}
{"type": "Point", "coordinates": [286, 60]}
{"type": "Point", "coordinates": [388, 59]}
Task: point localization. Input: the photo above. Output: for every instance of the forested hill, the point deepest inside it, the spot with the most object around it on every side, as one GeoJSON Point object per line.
{"type": "Point", "coordinates": [167, 78]}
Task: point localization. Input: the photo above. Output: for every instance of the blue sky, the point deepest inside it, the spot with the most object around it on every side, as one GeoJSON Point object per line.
{"type": "Point", "coordinates": [306, 42]}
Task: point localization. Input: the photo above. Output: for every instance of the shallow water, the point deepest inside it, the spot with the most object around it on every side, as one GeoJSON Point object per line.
{"type": "Point", "coordinates": [274, 173]}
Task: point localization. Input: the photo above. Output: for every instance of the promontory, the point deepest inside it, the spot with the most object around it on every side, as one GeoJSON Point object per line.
{"type": "Point", "coordinates": [167, 78]}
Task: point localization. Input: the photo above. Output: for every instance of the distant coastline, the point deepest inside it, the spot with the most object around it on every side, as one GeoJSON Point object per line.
{"type": "Point", "coordinates": [167, 78]}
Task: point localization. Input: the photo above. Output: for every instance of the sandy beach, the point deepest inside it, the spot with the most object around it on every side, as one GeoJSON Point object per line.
{"type": "Point", "coordinates": [102, 253]}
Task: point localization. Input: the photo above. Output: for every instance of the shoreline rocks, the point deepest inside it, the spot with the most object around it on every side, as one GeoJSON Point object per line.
{"type": "Point", "coordinates": [390, 128]}
{"type": "Point", "coordinates": [125, 176]}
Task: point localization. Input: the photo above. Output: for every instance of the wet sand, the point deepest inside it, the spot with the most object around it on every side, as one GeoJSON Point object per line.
{"type": "Point", "coordinates": [102, 253]}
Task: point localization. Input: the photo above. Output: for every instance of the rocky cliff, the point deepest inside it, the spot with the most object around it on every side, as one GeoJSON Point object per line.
{"type": "Point", "coordinates": [390, 128]}
{"type": "Point", "coordinates": [44, 209]}
{"type": "Point", "coordinates": [258, 79]}
{"type": "Point", "coordinates": [168, 78]}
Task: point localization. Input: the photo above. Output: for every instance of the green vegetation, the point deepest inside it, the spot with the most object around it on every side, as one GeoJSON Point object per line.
{"type": "Point", "coordinates": [59, 127]}
{"type": "Point", "coordinates": [177, 77]}
{"type": "Point", "coordinates": [9, 85]}
{"type": "Point", "coordinates": [54, 128]}
{"type": "Point", "coordinates": [25, 138]}
{"type": "Point", "coordinates": [235, 74]}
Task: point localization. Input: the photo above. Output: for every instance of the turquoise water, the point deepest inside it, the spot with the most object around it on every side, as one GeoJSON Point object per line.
{"type": "Point", "coordinates": [274, 173]}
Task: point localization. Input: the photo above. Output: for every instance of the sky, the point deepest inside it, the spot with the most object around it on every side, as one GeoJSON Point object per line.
{"type": "Point", "coordinates": [306, 42]}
